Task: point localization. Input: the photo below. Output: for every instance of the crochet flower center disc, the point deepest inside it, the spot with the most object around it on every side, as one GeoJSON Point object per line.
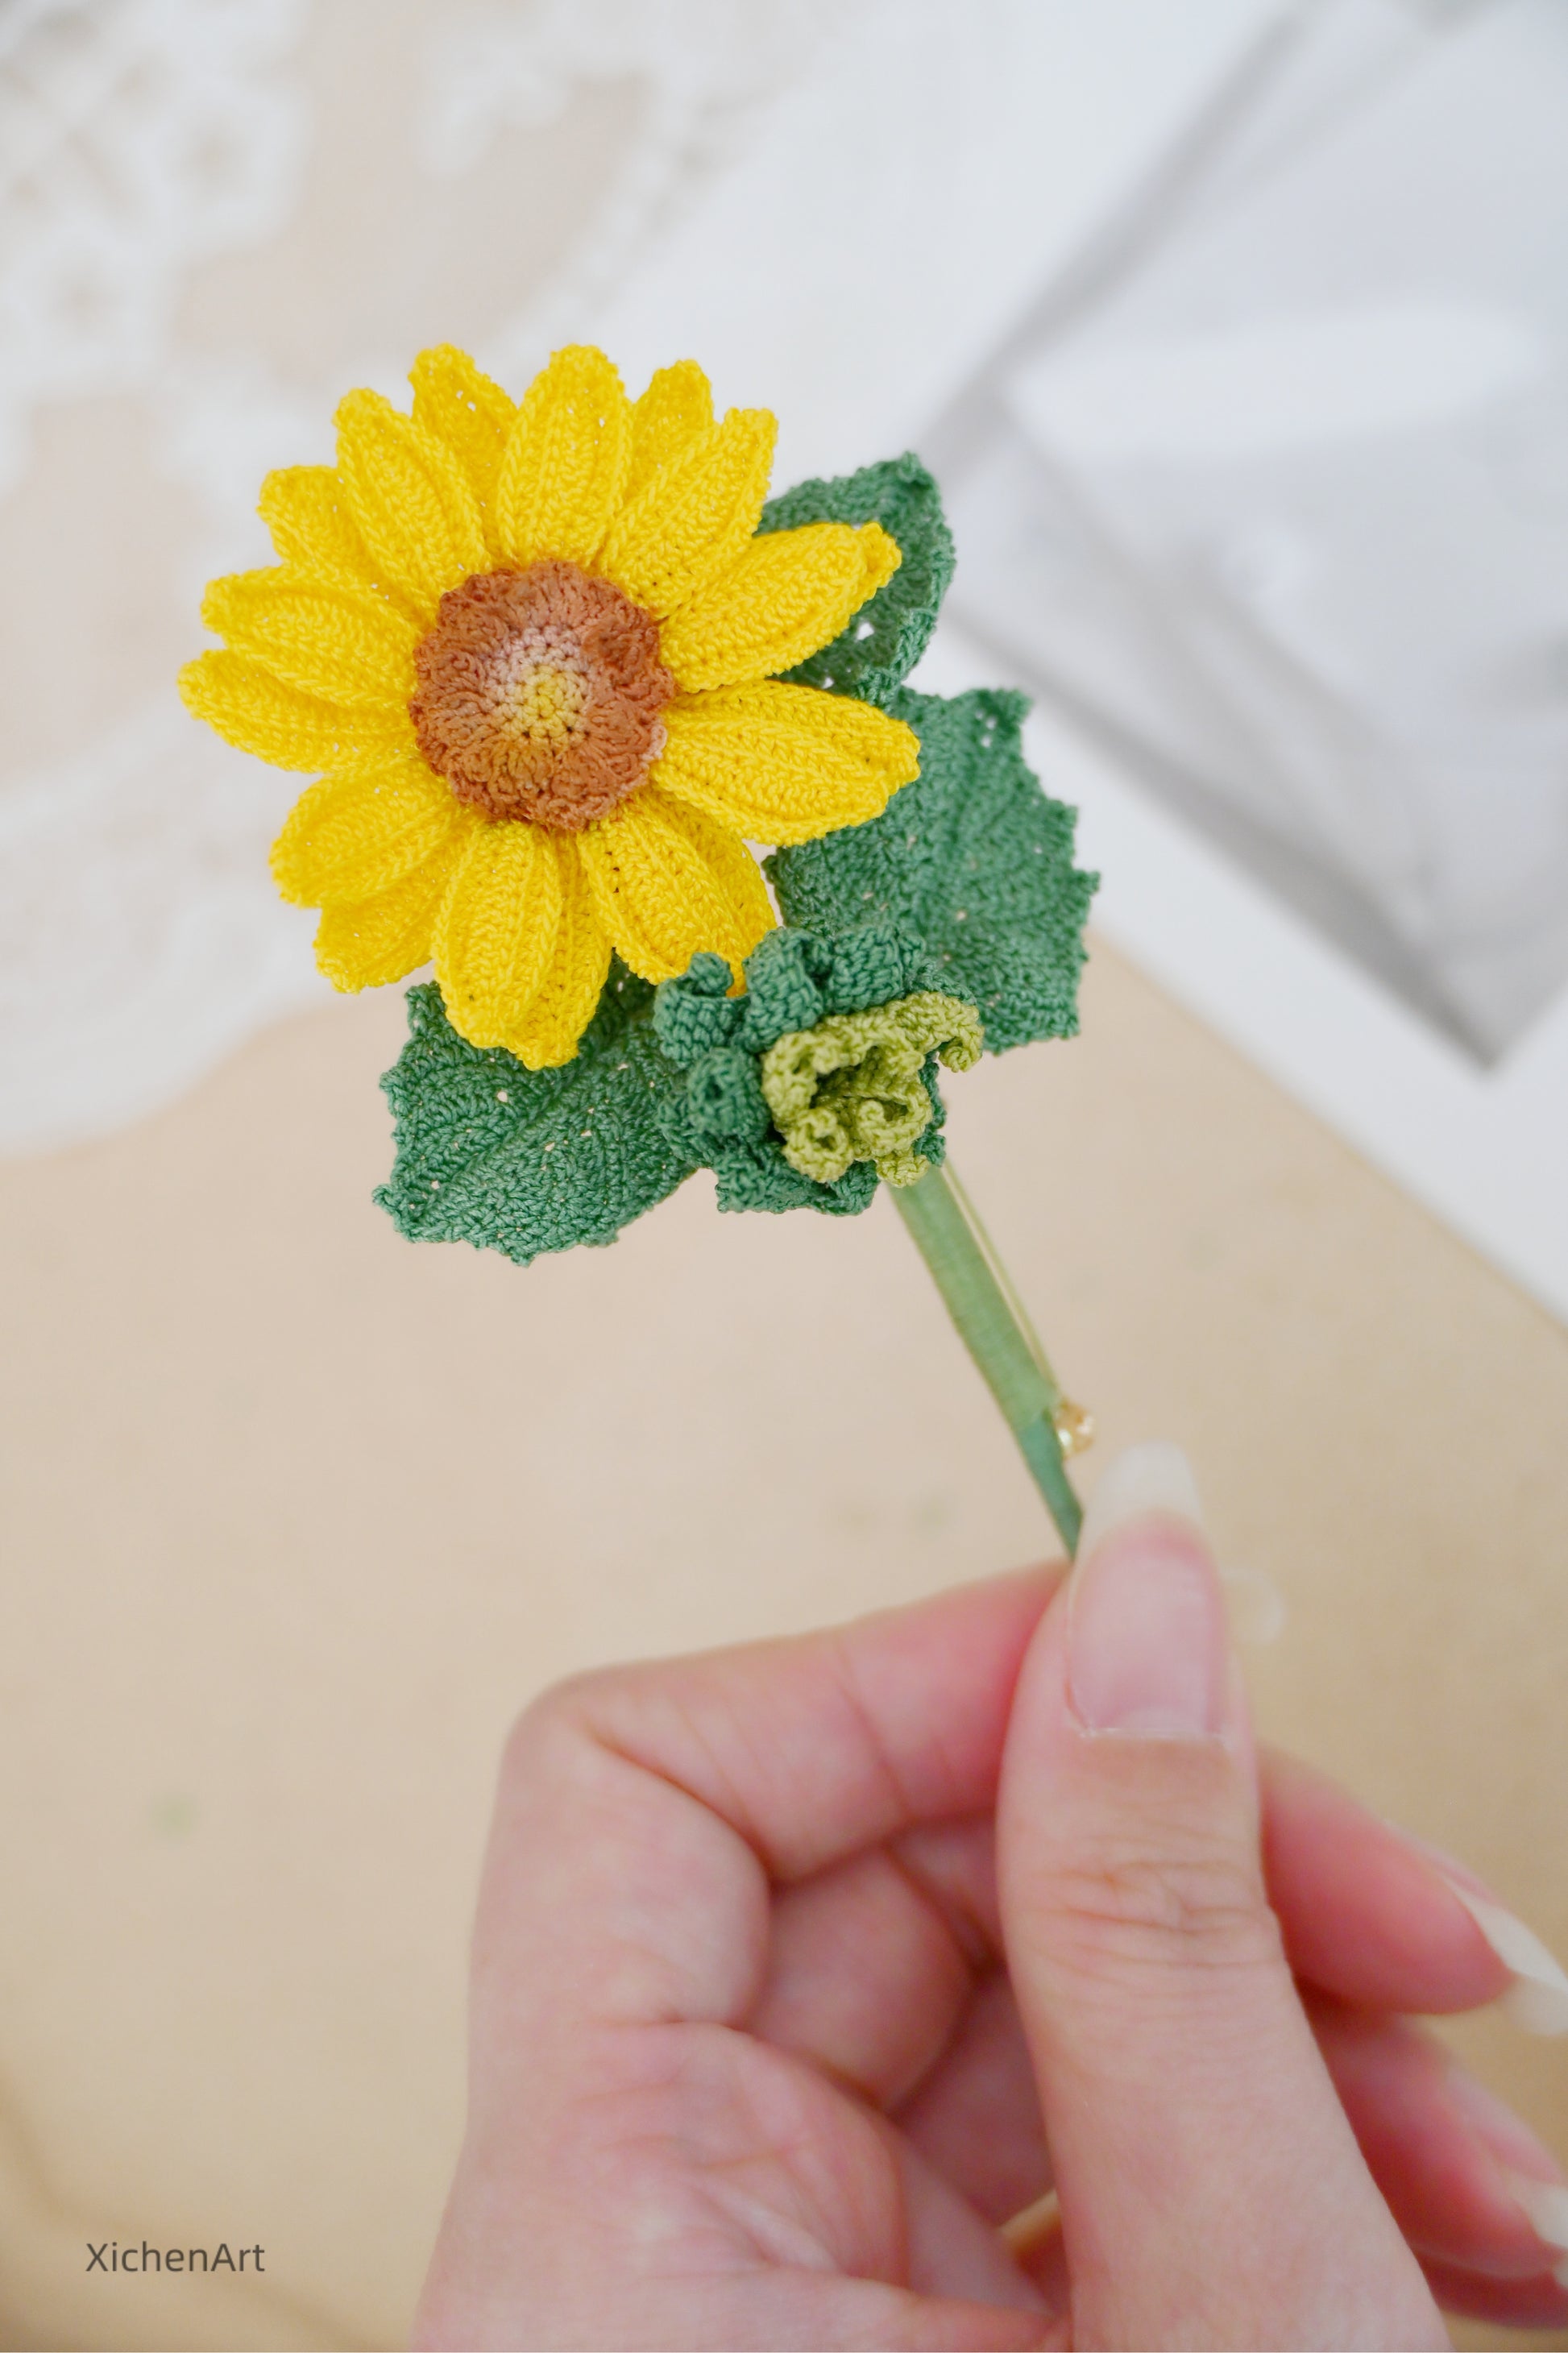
{"type": "Point", "coordinates": [540, 695]}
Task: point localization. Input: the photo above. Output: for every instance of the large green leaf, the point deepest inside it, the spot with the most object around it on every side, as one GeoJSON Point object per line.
{"type": "Point", "coordinates": [881, 644]}
{"type": "Point", "coordinates": [524, 1161]}
{"type": "Point", "coordinates": [972, 860]}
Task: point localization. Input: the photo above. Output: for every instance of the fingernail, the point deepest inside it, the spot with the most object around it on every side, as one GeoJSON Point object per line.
{"type": "Point", "coordinates": [1538, 1997]}
{"type": "Point", "coordinates": [1528, 2171]}
{"type": "Point", "coordinates": [1545, 2205]}
{"type": "Point", "coordinates": [1147, 1650]}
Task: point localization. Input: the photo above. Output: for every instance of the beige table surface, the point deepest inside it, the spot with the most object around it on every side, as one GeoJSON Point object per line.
{"type": "Point", "coordinates": [300, 1514]}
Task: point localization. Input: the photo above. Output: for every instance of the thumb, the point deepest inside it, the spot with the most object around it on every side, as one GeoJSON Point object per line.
{"type": "Point", "coordinates": [1211, 2190]}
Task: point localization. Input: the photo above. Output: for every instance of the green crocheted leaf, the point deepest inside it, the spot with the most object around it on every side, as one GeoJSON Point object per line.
{"type": "Point", "coordinates": [719, 1115]}
{"type": "Point", "coordinates": [972, 860]}
{"type": "Point", "coordinates": [881, 644]}
{"type": "Point", "coordinates": [524, 1161]}
{"type": "Point", "coordinates": [758, 1176]}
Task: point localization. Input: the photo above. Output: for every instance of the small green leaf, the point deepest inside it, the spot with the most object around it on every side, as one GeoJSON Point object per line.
{"type": "Point", "coordinates": [887, 637]}
{"type": "Point", "coordinates": [972, 860]}
{"type": "Point", "coordinates": [758, 1176]}
{"type": "Point", "coordinates": [522, 1161]}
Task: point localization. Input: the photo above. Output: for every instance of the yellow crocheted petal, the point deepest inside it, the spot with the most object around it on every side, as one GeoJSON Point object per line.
{"type": "Point", "coordinates": [358, 832]}
{"type": "Point", "coordinates": [345, 644]}
{"type": "Point", "coordinates": [564, 471]}
{"type": "Point", "coordinates": [696, 515]}
{"type": "Point", "coordinates": [410, 499]}
{"type": "Point", "coordinates": [256, 711]}
{"type": "Point", "coordinates": [469, 411]}
{"type": "Point", "coordinates": [667, 884]}
{"type": "Point", "coordinates": [552, 1029]}
{"type": "Point", "coordinates": [497, 930]}
{"type": "Point", "coordinates": [666, 419]}
{"type": "Point", "coordinates": [303, 507]}
{"type": "Point", "coordinates": [787, 593]}
{"type": "Point", "coordinates": [784, 763]}
{"type": "Point", "coordinates": [365, 943]}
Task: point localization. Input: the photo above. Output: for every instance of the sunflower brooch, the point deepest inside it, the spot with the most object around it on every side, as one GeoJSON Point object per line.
{"type": "Point", "coordinates": [556, 665]}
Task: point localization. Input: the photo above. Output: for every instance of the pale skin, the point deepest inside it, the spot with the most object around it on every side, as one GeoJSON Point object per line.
{"type": "Point", "coordinates": [800, 1969]}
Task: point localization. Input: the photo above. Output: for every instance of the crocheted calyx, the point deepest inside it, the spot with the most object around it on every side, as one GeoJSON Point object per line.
{"type": "Point", "coordinates": [819, 1078]}
{"type": "Point", "coordinates": [540, 695]}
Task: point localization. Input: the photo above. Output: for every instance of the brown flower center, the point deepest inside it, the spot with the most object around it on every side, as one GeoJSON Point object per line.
{"type": "Point", "coordinates": [540, 695]}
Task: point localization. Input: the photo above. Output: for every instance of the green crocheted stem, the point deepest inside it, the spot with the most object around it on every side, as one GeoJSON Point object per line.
{"type": "Point", "coordinates": [995, 1334]}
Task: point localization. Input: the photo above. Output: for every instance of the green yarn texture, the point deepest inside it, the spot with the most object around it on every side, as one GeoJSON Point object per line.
{"type": "Point", "coordinates": [794, 980]}
{"type": "Point", "coordinates": [964, 886]}
{"type": "Point", "coordinates": [523, 1161]}
{"type": "Point", "coordinates": [971, 860]}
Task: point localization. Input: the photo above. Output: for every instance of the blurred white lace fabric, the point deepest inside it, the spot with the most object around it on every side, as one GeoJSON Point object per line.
{"type": "Point", "coordinates": [1259, 467]}
{"type": "Point", "coordinates": [214, 216]}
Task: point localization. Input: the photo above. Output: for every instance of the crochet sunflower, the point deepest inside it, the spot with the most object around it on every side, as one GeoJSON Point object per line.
{"type": "Point", "coordinates": [535, 651]}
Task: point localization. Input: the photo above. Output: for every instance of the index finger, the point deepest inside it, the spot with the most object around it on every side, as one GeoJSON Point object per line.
{"type": "Point", "coordinates": [644, 1810]}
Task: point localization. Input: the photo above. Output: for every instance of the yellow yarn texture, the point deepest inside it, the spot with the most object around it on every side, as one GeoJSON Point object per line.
{"type": "Point", "coordinates": [356, 655]}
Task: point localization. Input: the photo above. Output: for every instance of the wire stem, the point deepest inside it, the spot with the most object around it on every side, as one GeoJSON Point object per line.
{"type": "Point", "coordinates": [995, 1329]}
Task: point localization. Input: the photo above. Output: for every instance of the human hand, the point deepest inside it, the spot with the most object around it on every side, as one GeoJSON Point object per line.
{"type": "Point", "coordinates": [784, 1952]}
